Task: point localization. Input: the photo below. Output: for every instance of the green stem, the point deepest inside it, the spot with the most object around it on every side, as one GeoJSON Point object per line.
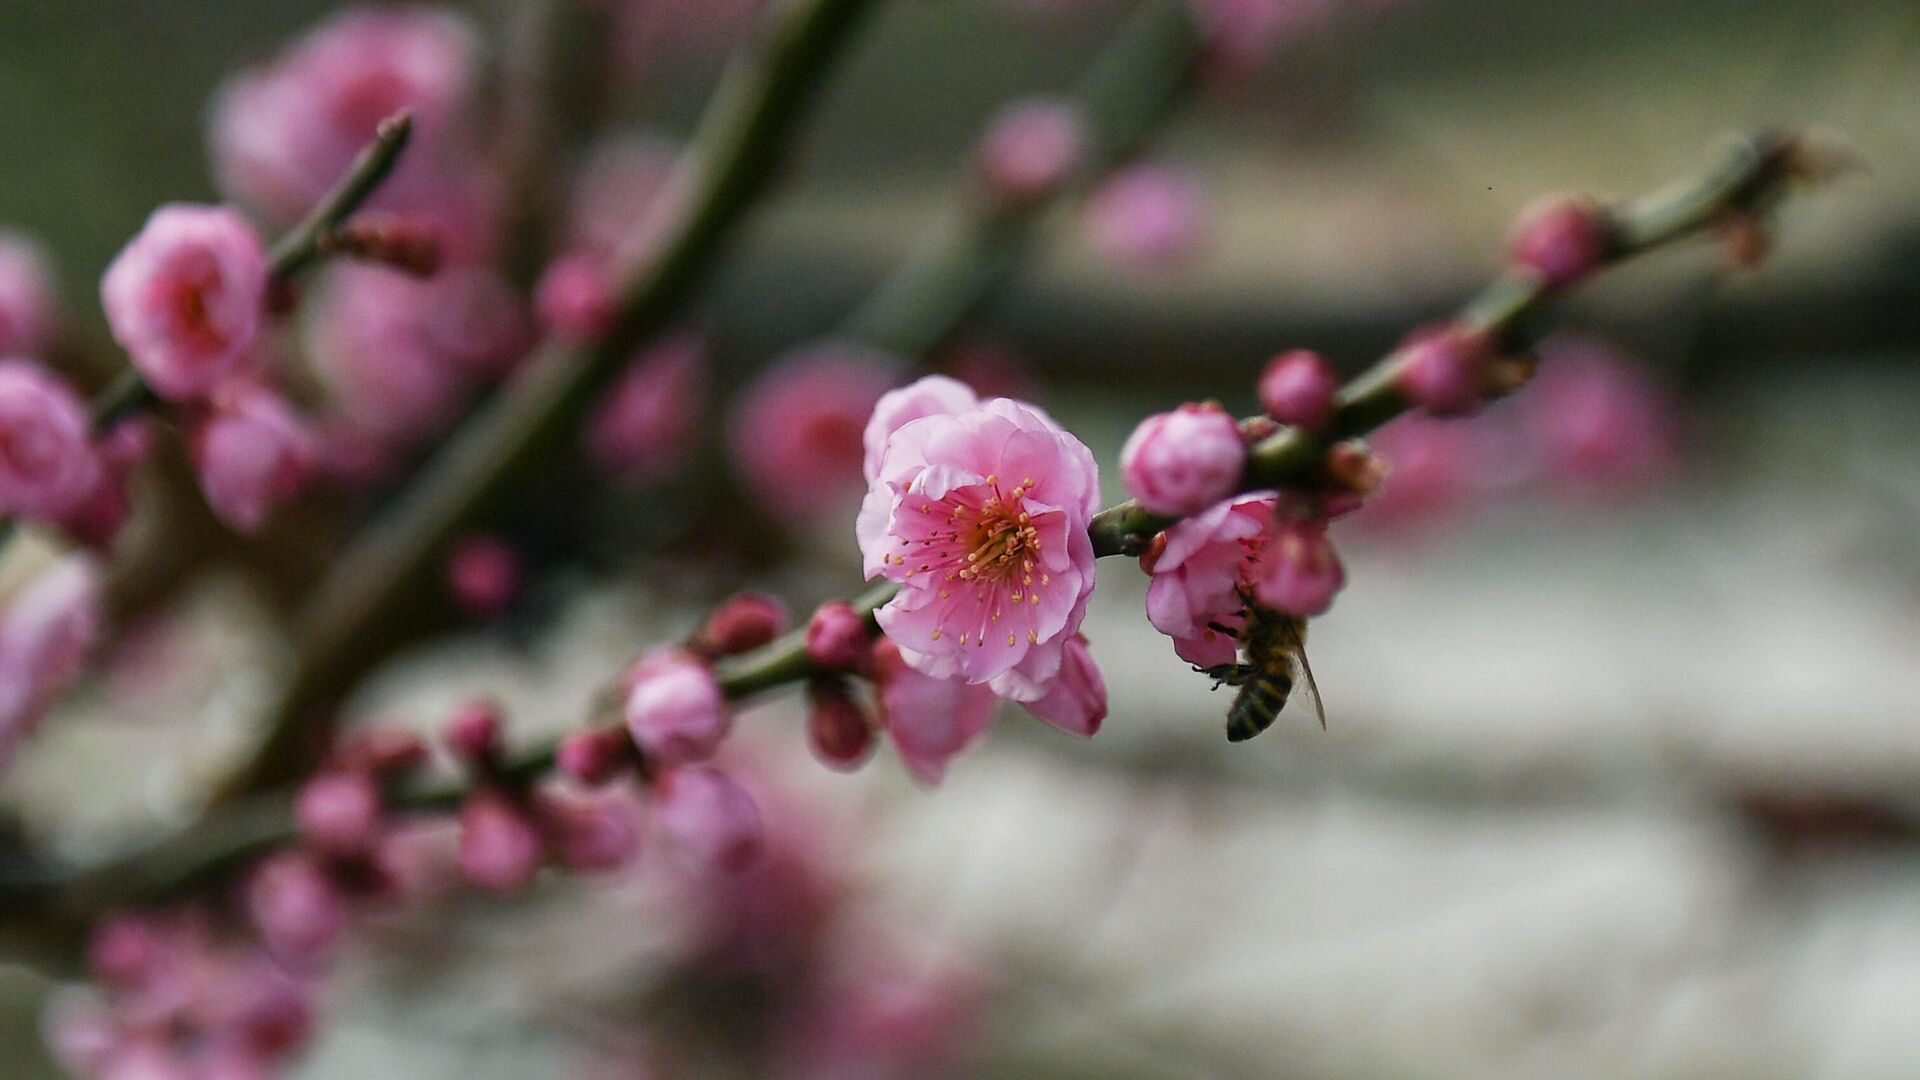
{"type": "Point", "coordinates": [355, 614]}
{"type": "Point", "coordinates": [301, 247]}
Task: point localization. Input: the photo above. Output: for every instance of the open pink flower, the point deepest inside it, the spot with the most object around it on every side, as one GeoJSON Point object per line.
{"type": "Point", "coordinates": [186, 296]}
{"type": "Point", "coordinates": [1198, 576]}
{"type": "Point", "coordinates": [47, 467]}
{"type": "Point", "coordinates": [981, 517]}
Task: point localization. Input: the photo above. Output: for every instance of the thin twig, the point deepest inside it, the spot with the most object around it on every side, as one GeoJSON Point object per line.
{"type": "Point", "coordinates": [301, 247]}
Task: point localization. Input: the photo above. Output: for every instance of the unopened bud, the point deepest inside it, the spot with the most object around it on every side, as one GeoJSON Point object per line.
{"type": "Point", "coordinates": [837, 637]}
{"type": "Point", "coordinates": [744, 622]}
{"type": "Point", "coordinates": [473, 733]}
{"type": "Point", "coordinates": [411, 247]}
{"type": "Point", "coordinates": [837, 727]}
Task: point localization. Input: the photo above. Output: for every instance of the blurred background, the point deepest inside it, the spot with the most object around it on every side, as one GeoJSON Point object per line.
{"type": "Point", "coordinates": [1621, 775]}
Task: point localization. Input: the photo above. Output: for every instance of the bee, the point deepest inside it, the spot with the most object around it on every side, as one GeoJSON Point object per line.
{"type": "Point", "coordinates": [1276, 651]}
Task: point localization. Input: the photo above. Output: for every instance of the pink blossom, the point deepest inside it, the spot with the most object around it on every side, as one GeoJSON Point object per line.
{"type": "Point", "coordinates": [1181, 462]}
{"type": "Point", "coordinates": [1030, 148]}
{"type": "Point", "coordinates": [338, 812]}
{"type": "Point", "coordinates": [47, 468]}
{"type": "Point", "coordinates": [1241, 34]}
{"type": "Point", "coordinates": [296, 907]}
{"type": "Point", "coordinates": [1560, 238]}
{"type": "Point", "coordinates": [1146, 218]}
{"type": "Point", "coordinates": [253, 454]}
{"type": "Point", "coordinates": [1200, 576]}
{"type": "Point", "coordinates": [796, 432]}
{"type": "Point", "coordinates": [1597, 419]}
{"type": "Point", "coordinates": [594, 756]}
{"type": "Point", "coordinates": [1076, 702]}
{"type": "Point", "coordinates": [837, 637]}
{"type": "Point", "coordinates": [575, 298]}
{"type": "Point", "coordinates": [484, 575]}
{"type": "Point", "coordinates": [1298, 387]}
{"type": "Point", "coordinates": [981, 518]}
{"type": "Point", "coordinates": [743, 622]}
{"type": "Point", "coordinates": [837, 727]}
{"type": "Point", "coordinates": [45, 637]}
{"type": "Point", "coordinates": [402, 355]}
{"type": "Point", "coordinates": [932, 395]}
{"type": "Point", "coordinates": [675, 710]}
{"type": "Point", "coordinates": [1443, 370]}
{"type": "Point", "coordinates": [29, 306]}
{"type": "Point", "coordinates": [96, 519]}
{"type": "Point", "coordinates": [709, 818]}
{"type": "Point", "coordinates": [591, 831]}
{"type": "Point", "coordinates": [186, 296]}
{"type": "Point", "coordinates": [882, 1023]}
{"type": "Point", "coordinates": [1299, 571]}
{"type": "Point", "coordinates": [1433, 469]}
{"type": "Point", "coordinates": [646, 425]}
{"type": "Point", "coordinates": [472, 733]}
{"type": "Point", "coordinates": [930, 720]}
{"type": "Point", "coordinates": [500, 848]}
{"type": "Point", "coordinates": [285, 132]}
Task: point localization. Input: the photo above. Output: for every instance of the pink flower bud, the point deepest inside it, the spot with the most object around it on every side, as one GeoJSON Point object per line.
{"type": "Point", "coordinates": [837, 728]}
{"type": "Point", "coordinates": [409, 246]}
{"type": "Point", "coordinates": [594, 757]}
{"type": "Point", "coordinates": [837, 637]}
{"type": "Point", "coordinates": [1442, 371]}
{"type": "Point", "coordinates": [1299, 571]}
{"type": "Point", "coordinates": [47, 467]}
{"type": "Point", "coordinates": [1182, 462]}
{"type": "Point", "coordinates": [295, 906]}
{"type": "Point", "coordinates": [675, 710]}
{"type": "Point", "coordinates": [744, 622]}
{"type": "Point", "coordinates": [1298, 387]}
{"type": "Point", "coordinates": [500, 849]}
{"type": "Point", "coordinates": [645, 424]}
{"type": "Point", "coordinates": [1146, 218]}
{"type": "Point", "coordinates": [29, 309]}
{"type": "Point", "coordinates": [97, 518]}
{"type": "Point", "coordinates": [710, 819]}
{"type": "Point", "coordinates": [253, 454]}
{"type": "Point", "coordinates": [1597, 419]}
{"type": "Point", "coordinates": [575, 298]}
{"type": "Point", "coordinates": [1076, 700]}
{"type": "Point", "coordinates": [473, 732]}
{"type": "Point", "coordinates": [338, 812]}
{"type": "Point", "coordinates": [1030, 148]}
{"type": "Point", "coordinates": [1560, 238]}
{"type": "Point", "coordinates": [484, 576]}
{"type": "Point", "coordinates": [186, 297]}
{"type": "Point", "coordinates": [594, 832]}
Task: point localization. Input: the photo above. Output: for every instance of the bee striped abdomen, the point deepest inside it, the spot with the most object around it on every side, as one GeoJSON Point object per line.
{"type": "Point", "coordinates": [1260, 700]}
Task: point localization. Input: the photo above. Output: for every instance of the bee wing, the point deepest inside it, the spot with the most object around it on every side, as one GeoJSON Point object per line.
{"type": "Point", "coordinates": [1297, 648]}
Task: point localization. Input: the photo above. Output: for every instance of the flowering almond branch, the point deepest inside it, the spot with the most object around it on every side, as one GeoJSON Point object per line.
{"type": "Point", "coordinates": [1730, 195]}
{"type": "Point", "coordinates": [355, 612]}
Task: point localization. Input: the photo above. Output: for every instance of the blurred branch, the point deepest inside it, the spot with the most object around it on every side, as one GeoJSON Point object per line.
{"type": "Point", "coordinates": [355, 613]}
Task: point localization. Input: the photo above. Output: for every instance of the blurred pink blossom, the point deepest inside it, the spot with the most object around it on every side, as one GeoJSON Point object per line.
{"type": "Point", "coordinates": [47, 466]}
{"type": "Point", "coordinates": [45, 636]}
{"type": "Point", "coordinates": [186, 296]}
{"type": "Point", "coordinates": [1596, 420]}
{"type": "Point", "coordinates": [1146, 217]}
{"type": "Point", "coordinates": [29, 305]}
{"type": "Point", "coordinates": [500, 847]}
{"type": "Point", "coordinates": [644, 429]}
{"type": "Point", "coordinates": [1299, 572]}
{"type": "Point", "coordinates": [253, 454]}
{"type": "Point", "coordinates": [795, 433]}
{"type": "Point", "coordinates": [675, 709]}
{"type": "Point", "coordinates": [484, 575]}
{"type": "Point", "coordinates": [296, 908]}
{"type": "Point", "coordinates": [285, 132]}
{"type": "Point", "coordinates": [1030, 148]}
{"type": "Point", "coordinates": [709, 818]}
